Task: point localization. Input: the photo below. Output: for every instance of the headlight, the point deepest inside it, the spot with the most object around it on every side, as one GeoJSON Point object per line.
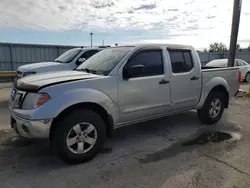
{"type": "Point", "coordinates": [33, 100]}
{"type": "Point", "coordinates": [28, 73]}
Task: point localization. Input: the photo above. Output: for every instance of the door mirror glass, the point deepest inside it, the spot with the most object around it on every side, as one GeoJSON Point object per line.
{"type": "Point", "coordinates": [133, 71]}
{"type": "Point", "coordinates": [80, 60]}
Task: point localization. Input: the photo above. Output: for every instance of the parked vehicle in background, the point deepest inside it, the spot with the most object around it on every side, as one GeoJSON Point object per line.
{"type": "Point", "coordinates": [69, 60]}
{"type": "Point", "coordinates": [118, 86]}
{"type": "Point", "coordinates": [243, 66]}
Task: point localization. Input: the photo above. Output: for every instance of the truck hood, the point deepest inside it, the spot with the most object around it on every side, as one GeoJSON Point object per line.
{"type": "Point", "coordinates": [34, 83]}
{"type": "Point", "coordinates": [39, 67]}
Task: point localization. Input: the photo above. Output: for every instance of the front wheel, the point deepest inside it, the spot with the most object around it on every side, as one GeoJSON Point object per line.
{"type": "Point", "coordinates": [79, 136]}
{"type": "Point", "coordinates": [212, 109]}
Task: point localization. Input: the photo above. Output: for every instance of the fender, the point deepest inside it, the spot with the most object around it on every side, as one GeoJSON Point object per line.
{"type": "Point", "coordinates": [56, 105]}
{"type": "Point", "coordinates": [216, 81]}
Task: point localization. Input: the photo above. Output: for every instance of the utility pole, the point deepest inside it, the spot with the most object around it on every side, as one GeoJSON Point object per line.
{"type": "Point", "coordinates": [102, 42]}
{"type": "Point", "coordinates": [91, 36]}
{"type": "Point", "coordinates": [234, 32]}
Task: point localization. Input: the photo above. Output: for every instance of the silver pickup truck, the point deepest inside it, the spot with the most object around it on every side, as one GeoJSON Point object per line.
{"type": "Point", "coordinates": [77, 110]}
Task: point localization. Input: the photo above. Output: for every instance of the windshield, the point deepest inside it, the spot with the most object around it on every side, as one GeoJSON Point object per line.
{"type": "Point", "coordinates": [68, 56]}
{"type": "Point", "coordinates": [217, 63]}
{"type": "Point", "coordinates": [104, 61]}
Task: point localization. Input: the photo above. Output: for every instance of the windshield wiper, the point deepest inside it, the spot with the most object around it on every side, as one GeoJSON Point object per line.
{"type": "Point", "coordinates": [87, 70]}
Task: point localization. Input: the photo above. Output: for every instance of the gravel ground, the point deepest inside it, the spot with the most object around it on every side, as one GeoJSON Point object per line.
{"type": "Point", "coordinates": [170, 152]}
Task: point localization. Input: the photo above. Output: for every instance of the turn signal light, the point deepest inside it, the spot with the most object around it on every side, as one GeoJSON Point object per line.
{"type": "Point", "coordinates": [43, 97]}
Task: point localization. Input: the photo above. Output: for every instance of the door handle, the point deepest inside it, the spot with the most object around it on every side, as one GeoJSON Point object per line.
{"type": "Point", "coordinates": [163, 81]}
{"type": "Point", "coordinates": [194, 78]}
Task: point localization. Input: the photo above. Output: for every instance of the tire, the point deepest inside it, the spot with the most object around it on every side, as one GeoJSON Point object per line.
{"type": "Point", "coordinates": [76, 153]}
{"type": "Point", "coordinates": [247, 78]}
{"type": "Point", "coordinates": [204, 113]}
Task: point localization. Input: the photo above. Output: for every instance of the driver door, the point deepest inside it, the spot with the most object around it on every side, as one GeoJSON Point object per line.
{"type": "Point", "coordinates": [144, 94]}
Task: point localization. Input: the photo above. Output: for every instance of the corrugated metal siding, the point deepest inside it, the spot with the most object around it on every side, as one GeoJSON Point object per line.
{"type": "Point", "coordinates": [14, 55]}
{"type": "Point", "coordinates": [5, 53]}
{"type": "Point", "coordinates": [204, 57]}
{"type": "Point", "coordinates": [5, 57]}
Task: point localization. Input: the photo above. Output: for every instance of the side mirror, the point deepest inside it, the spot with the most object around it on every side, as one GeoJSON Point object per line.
{"type": "Point", "coordinates": [80, 60]}
{"type": "Point", "coordinates": [132, 71]}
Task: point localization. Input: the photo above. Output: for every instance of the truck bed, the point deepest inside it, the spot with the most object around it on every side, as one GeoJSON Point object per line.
{"type": "Point", "coordinates": [230, 74]}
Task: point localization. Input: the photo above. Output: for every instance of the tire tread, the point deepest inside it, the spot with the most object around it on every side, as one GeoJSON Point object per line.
{"type": "Point", "coordinates": [203, 113]}
{"type": "Point", "coordinates": [66, 123]}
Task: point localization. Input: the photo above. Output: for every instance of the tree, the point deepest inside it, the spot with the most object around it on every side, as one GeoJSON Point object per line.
{"type": "Point", "coordinates": [237, 46]}
{"type": "Point", "coordinates": [218, 47]}
{"type": "Point", "coordinates": [205, 50]}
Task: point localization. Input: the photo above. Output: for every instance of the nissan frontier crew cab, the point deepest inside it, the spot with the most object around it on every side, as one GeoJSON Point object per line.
{"type": "Point", "coordinates": [77, 110]}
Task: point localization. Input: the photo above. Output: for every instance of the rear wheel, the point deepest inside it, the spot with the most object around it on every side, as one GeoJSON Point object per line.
{"type": "Point", "coordinates": [247, 79]}
{"type": "Point", "coordinates": [80, 137]}
{"type": "Point", "coordinates": [212, 109]}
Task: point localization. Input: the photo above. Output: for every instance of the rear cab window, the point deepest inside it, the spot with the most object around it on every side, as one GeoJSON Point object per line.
{"type": "Point", "coordinates": [181, 60]}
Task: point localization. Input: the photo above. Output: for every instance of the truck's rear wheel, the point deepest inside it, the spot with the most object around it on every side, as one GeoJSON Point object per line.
{"type": "Point", "coordinates": [79, 136]}
{"type": "Point", "coordinates": [212, 109]}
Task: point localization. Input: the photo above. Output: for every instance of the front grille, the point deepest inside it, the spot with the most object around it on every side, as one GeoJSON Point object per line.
{"type": "Point", "coordinates": [16, 98]}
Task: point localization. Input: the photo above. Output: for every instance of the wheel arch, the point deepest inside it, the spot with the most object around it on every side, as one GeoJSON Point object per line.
{"type": "Point", "coordinates": [106, 117]}
{"type": "Point", "coordinates": [216, 84]}
{"type": "Point", "coordinates": [222, 89]}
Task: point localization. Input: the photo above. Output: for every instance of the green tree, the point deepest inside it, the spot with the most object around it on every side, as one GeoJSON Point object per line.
{"type": "Point", "coordinates": [205, 50]}
{"type": "Point", "coordinates": [237, 46]}
{"type": "Point", "coordinates": [218, 47]}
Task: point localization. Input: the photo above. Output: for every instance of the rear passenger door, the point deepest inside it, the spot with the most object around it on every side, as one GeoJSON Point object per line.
{"type": "Point", "coordinates": [147, 93]}
{"type": "Point", "coordinates": [185, 80]}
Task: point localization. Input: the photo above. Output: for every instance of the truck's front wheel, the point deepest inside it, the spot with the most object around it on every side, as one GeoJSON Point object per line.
{"type": "Point", "coordinates": [212, 109]}
{"type": "Point", "coordinates": [79, 136]}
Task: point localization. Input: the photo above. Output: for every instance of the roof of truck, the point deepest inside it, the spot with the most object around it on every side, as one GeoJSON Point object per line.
{"type": "Point", "coordinates": [88, 48]}
{"type": "Point", "coordinates": [155, 44]}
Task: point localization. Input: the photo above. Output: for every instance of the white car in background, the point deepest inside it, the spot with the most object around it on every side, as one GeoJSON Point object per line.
{"type": "Point", "coordinates": [243, 66]}
{"type": "Point", "coordinates": [69, 60]}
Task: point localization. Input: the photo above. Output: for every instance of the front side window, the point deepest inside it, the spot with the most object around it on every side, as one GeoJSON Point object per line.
{"type": "Point", "coordinates": [150, 60]}
{"type": "Point", "coordinates": [181, 61]}
{"type": "Point", "coordinates": [68, 56]}
{"type": "Point", "coordinates": [217, 63]}
{"type": "Point", "coordinates": [240, 63]}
